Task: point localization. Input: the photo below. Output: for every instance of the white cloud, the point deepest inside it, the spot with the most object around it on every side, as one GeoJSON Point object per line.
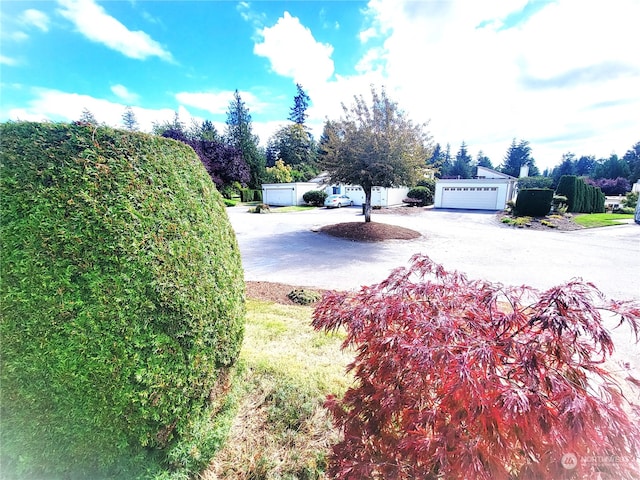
{"type": "Point", "coordinates": [36, 18]}
{"type": "Point", "coordinates": [10, 62]}
{"type": "Point", "coordinates": [124, 94]}
{"type": "Point", "coordinates": [56, 105]}
{"type": "Point", "coordinates": [538, 79]}
{"type": "Point", "coordinates": [92, 21]}
{"type": "Point", "coordinates": [294, 52]}
{"type": "Point", "coordinates": [218, 102]}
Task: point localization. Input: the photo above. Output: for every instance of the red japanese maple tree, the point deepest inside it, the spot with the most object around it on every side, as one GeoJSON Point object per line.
{"type": "Point", "coordinates": [459, 378]}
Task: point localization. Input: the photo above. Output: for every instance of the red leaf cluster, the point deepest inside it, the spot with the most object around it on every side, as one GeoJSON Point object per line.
{"type": "Point", "coordinates": [462, 379]}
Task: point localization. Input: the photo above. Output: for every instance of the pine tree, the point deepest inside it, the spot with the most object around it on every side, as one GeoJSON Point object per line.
{"type": "Point", "coordinates": [519, 154]}
{"type": "Point", "coordinates": [238, 134]}
{"type": "Point", "coordinates": [129, 119]}
{"type": "Point", "coordinates": [462, 166]}
{"type": "Point", "coordinates": [87, 117]}
{"type": "Point", "coordinates": [300, 104]}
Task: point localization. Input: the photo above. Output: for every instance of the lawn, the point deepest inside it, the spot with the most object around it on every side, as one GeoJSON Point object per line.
{"type": "Point", "coordinates": [286, 369]}
{"type": "Point", "coordinates": [592, 220]}
{"type": "Point", "coordinates": [293, 208]}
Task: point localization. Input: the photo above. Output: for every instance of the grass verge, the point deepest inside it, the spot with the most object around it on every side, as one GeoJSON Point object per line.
{"type": "Point", "coordinates": [286, 369]}
{"type": "Point", "coordinates": [592, 220]}
{"type": "Point", "coordinates": [293, 208]}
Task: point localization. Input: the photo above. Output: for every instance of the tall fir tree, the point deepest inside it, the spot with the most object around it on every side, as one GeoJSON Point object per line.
{"type": "Point", "coordinates": [462, 165]}
{"type": "Point", "coordinates": [298, 113]}
{"type": "Point", "coordinates": [87, 117]}
{"type": "Point", "coordinates": [129, 119]}
{"type": "Point", "coordinates": [519, 154]}
{"type": "Point", "coordinates": [238, 134]}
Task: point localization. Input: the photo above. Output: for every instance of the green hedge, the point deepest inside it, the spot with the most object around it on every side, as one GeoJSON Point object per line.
{"type": "Point", "coordinates": [535, 202]}
{"type": "Point", "coordinates": [122, 305]}
{"type": "Point", "coordinates": [581, 198]}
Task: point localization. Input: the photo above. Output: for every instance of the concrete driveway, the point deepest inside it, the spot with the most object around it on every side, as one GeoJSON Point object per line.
{"type": "Point", "coordinates": [283, 247]}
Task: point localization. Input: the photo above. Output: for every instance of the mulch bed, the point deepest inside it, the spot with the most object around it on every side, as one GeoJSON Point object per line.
{"type": "Point", "coordinates": [369, 231]}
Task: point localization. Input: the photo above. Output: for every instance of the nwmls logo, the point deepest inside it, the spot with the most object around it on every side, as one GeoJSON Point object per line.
{"type": "Point", "coordinates": [570, 460]}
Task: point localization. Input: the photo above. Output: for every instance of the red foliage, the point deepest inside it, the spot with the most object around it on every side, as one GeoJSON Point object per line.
{"type": "Point", "coordinates": [457, 379]}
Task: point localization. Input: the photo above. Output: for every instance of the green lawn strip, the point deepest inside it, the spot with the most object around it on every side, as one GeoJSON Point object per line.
{"type": "Point", "coordinates": [593, 220]}
{"type": "Point", "coordinates": [293, 208]}
{"type": "Point", "coordinates": [286, 371]}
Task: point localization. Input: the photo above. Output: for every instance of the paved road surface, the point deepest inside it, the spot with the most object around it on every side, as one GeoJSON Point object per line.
{"type": "Point", "coordinates": [281, 247]}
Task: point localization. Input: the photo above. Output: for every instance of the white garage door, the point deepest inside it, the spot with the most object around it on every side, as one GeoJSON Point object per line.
{"type": "Point", "coordinates": [282, 197]}
{"type": "Point", "coordinates": [476, 198]}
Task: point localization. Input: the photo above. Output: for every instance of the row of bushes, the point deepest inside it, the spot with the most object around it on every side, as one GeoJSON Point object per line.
{"type": "Point", "coordinates": [578, 195]}
{"type": "Point", "coordinates": [249, 195]}
{"type": "Point", "coordinates": [581, 198]}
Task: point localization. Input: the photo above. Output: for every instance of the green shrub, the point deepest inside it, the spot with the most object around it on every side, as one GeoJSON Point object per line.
{"type": "Point", "coordinates": [630, 200]}
{"type": "Point", "coordinates": [257, 195]}
{"type": "Point", "coordinates": [315, 197]}
{"type": "Point", "coordinates": [122, 304]}
{"type": "Point", "coordinates": [567, 187]}
{"type": "Point", "coordinates": [262, 208]}
{"type": "Point", "coordinates": [424, 194]}
{"type": "Point", "coordinates": [230, 203]}
{"type": "Point", "coordinates": [534, 202]}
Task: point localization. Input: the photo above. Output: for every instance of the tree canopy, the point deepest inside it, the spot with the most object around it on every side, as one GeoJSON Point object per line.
{"type": "Point", "coordinates": [374, 144]}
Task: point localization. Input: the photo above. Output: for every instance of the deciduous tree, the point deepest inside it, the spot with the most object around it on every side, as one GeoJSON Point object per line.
{"type": "Point", "coordinates": [463, 379]}
{"type": "Point", "coordinates": [374, 144]}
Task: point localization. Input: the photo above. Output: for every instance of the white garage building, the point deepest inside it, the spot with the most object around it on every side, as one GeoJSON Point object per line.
{"type": "Point", "coordinates": [286, 194]}
{"type": "Point", "coordinates": [490, 190]}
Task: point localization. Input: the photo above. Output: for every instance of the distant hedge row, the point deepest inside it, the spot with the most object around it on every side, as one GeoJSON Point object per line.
{"type": "Point", "coordinates": [121, 305]}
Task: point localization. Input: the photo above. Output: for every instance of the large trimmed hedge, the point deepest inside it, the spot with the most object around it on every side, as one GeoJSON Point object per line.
{"type": "Point", "coordinates": [122, 304]}
{"type": "Point", "coordinates": [535, 202]}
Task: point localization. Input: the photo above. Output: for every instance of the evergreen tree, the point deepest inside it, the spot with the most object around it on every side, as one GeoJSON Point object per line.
{"type": "Point", "coordinates": [566, 167]}
{"type": "Point", "coordinates": [462, 165]}
{"type": "Point", "coordinates": [129, 119]}
{"type": "Point", "coordinates": [584, 166]}
{"type": "Point", "coordinates": [483, 161]}
{"type": "Point", "coordinates": [518, 154]}
{"type": "Point", "coordinates": [238, 134]}
{"type": "Point", "coordinates": [87, 117]}
{"type": "Point", "coordinates": [300, 104]}
{"type": "Point", "coordinates": [632, 158]}
{"type": "Point", "coordinates": [613, 167]}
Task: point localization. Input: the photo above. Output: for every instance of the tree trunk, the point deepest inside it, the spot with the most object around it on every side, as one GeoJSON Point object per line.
{"type": "Point", "coordinates": [367, 204]}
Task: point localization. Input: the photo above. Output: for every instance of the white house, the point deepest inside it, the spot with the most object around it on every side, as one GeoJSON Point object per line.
{"type": "Point", "coordinates": [380, 196]}
{"type": "Point", "coordinates": [489, 190]}
{"type": "Point", "coordinates": [286, 194]}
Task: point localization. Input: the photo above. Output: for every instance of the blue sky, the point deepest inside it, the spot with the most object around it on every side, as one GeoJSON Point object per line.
{"type": "Point", "coordinates": [564, 74]}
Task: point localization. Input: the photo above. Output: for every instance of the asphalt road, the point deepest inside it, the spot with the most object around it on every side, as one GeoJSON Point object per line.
{"type": "Point", "coordinates": [283, 247]}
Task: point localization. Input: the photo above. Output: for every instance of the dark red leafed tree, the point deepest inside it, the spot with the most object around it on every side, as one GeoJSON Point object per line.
{"type": "Point", "coordinates": [463, 379]}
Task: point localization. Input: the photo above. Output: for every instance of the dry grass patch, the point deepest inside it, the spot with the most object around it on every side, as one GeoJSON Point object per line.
{"type": "Point", "coordinates": [286, 370]}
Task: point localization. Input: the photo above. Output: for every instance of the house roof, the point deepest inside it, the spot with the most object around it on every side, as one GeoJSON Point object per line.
{"type": "Point", "coordinates": [484, 172]}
